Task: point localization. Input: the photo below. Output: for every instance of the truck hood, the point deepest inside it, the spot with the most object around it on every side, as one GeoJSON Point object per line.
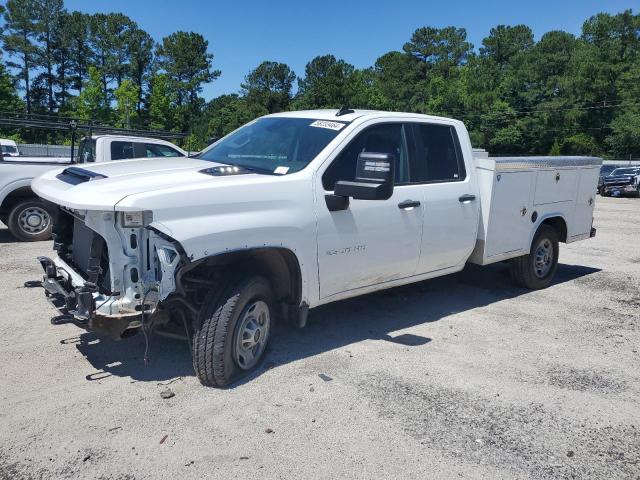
{"type": "Point", "coordinates": [103, 186]}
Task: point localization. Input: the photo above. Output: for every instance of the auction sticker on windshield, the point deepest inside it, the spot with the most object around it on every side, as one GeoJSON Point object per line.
{"type": "Point", "coordinates": [281, 170]}
{"type": "Point", "coordinates": [328, 124]}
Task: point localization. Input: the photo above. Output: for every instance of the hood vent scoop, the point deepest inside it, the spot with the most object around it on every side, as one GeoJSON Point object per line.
{"type": "Point", "coordinates": [225, 171]}
{"type": "Point", "coordinates": [75, 175]}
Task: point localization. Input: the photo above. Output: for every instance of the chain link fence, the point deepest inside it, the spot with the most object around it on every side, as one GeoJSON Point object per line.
{"type": "Point", "coordinates": [41, 150]}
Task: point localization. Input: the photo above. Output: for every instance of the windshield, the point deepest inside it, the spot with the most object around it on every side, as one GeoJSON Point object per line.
{"type": "Point", "coordinates": [625, 171]}
{"type": "Point", "coordinates": [607, 169]}
{"type": "Point", "coordinates": [9, 149]}
{"type": "Point", "coordinates": [275, 145]}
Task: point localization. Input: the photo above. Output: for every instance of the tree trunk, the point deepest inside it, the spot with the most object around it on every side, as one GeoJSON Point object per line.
{"type": "Point", "coordinates": [49, 74]}
{"type": "Point", "coordinates": [105, 82]}
{"type": "Point", "coordinates": [62, 70]}
{"type": "Point", "coordinates": [139, 82]}
{"type": "Point", "coordinates": [27, 91]}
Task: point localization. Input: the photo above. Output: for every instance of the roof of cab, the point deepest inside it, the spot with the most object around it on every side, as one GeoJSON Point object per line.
{"type": "Point", "coordinates": [132, 138]}
{"type": "Point", "coordinates": [330, 114]}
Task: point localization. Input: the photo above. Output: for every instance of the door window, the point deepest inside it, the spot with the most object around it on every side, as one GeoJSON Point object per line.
{"type": "Point", "coordinates": [382, 138]}
{"type": "Point", "coordinates": [437, 157]}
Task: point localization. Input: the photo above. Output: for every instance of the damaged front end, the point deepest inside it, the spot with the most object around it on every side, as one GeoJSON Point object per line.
{"type": "Point", "coordinates": [111, 273]}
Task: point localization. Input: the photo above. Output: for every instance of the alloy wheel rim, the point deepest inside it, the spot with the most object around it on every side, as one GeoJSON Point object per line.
{"type": "Point", "coordinates": [34, 220]}
{"type": "Point", "coordinates": [543, 258]}
{"type": "Point", "coordinates": [252, 334]}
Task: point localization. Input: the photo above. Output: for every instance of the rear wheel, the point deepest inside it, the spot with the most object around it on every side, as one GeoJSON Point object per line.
{"type": "Point", "coordinates": [29, 221]}
{"type": "Point", "coordinates": [233, 331]}
{"type": "Point", "coordinates": [536, 270]}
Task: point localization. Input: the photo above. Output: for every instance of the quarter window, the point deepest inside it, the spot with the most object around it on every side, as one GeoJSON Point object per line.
{"type": "Point", "coordinates": [438, 157]}
{"type": "Point", "coordinates": [382, 138]}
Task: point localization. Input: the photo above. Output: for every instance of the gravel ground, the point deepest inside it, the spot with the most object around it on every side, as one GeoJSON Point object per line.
{"type": "Point", "coordinates": [458, 377]}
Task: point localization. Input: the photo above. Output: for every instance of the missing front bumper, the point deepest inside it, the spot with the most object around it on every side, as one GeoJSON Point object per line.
{"type": "Point", "coordinates": [77, 304]}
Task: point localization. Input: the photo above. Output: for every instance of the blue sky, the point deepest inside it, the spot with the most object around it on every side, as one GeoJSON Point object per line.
{"type": "Point", "coordinates": [241, 34]}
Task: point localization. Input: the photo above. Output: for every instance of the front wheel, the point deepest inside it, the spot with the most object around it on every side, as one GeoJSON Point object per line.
{"type": "Point", "coordinates": [233, 331]}
{"type": "Point", "coordinates": [536, 270]}
{"type": "Point", "coordinates": [29, 221]}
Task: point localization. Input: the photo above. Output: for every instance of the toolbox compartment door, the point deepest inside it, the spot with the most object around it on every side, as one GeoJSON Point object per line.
{"type": "Point", "coordinates": [508, 227]}
{"type": "Point", "coordinates": [557, 185]}
{"type": "Point", "coordinates": [585, 202]}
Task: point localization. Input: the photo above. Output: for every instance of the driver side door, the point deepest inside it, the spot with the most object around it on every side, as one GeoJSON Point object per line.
{"type": "Point", "coordinates": [371, 241]}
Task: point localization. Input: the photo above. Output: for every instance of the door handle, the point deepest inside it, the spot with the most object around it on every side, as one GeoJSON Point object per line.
{"type": "Point", "coordinates": [409, 204]}
{"type": "Point", "coordinates": [467, 198]}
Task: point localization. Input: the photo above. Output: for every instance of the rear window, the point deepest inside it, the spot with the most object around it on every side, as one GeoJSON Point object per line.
{"type": "Point", "coordinates": [438, 157]}
{"type": "Point", "coordinates": [121, 150]}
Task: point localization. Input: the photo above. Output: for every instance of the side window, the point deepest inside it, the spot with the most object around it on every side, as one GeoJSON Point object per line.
{"type": "Point", "coordinates": [382, 138]}
{"type": "Point", "coordinates": [157, 150]}
{"type": "Point", "coordinates": [121, 150]}
{"type": "Point", "coordinates": [438, 157]}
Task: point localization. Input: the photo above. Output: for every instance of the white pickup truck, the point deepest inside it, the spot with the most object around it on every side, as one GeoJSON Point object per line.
{"type": "Point", "coordinates": [20, 208]}
{"type": "Point", "coordinates": [292, 211]}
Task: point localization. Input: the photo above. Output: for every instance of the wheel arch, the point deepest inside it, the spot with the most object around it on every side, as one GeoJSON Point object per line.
{"type": "Point", "coordinates": [555, 221]}
{"type": "Point", "coordinates": [23, 192]}
{"type": "Point", "coordinates": [559, 224]}
{"type": "Point", "coordinates": [279, 265]}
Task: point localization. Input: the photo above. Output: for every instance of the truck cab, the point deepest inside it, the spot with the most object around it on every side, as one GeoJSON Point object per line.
{"type": "Point", "coordinates": [104, 148]}
{"type": "Point", "coordinates": [292, 211]}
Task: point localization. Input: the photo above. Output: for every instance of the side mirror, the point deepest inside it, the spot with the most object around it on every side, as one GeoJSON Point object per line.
{"type": "Point", "coordinates": [375, 173]}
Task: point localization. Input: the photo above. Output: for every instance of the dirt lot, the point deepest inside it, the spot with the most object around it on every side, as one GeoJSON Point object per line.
{"type": "Point", "coordinates": [460, 377]}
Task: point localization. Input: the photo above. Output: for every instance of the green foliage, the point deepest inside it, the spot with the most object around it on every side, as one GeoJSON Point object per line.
{"type": "Point", "coordinates": [441, 49]}
{"type": "Point", "coordinates": [228, 112]}
{"type": "Point", "coordinates": [19, 41]}
{"type": "Point", "coordinates": [269, 86]}
{"type": "Point", "coordinates": [562, 94]}
{"type": "Point", "coordinates": [127, 95]}
{"type": "Point", "coordinates": [9, 99]}
{"type": "Point", "coordinates": [505, 42]}
{"type": "Point", "coordinates": [160, 103]}
{"type": "Point", "coordinates": [91, 104]}
{"type": "Point", "coordinates": [185, 59]}
{"type": "Point", "coordinates": [624, 140]}
{"type": "Point", "coordinates": [324, 84]}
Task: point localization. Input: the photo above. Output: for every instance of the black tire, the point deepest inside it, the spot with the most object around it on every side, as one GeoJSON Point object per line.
{"type": "Point", "coordinates": [531, 271]}
{"type": "Point", "coordinates": [19, 226]}
{"type": "Point", "coordinates": [215, 341]}
{"type": "Point", "coordinates": [4, 219]}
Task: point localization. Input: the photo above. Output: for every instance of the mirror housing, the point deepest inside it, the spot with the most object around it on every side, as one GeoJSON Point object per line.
{"type": "Point", "coordinates": [375, 174]}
